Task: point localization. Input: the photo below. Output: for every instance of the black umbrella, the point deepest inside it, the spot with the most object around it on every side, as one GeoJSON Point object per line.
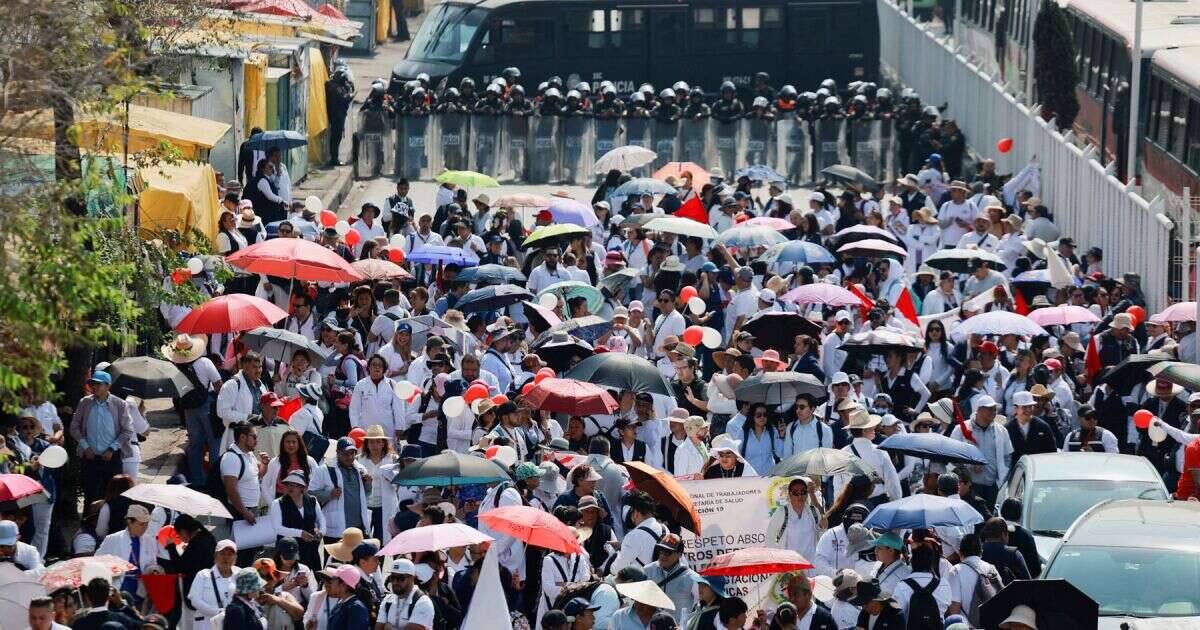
{"type": "Point", "coordinates": [282, 138]}
{"type": "Point", "coordinates": [559, 350]}
{"type": "Point", "coordinates": [959, 260]}
{"type": "Point", "coordinates": [848, 174]}
{"type": "Point", "coordinates": [450, 469]}
{"type": "Point", "coordinates": [778, 330]}
{"type": "Point", "coordinates": [491, 274]}
{"type": "Point", "coordinates": [856, 233]}
{"type": "Point", "coordinates": [621, 371]}
{"type": "Point", "coordinates": [881, 341]}
{"type": "Point", "coordinates": [491, 298]}
{"type": "Point", "coordinates": [588, 328]}
{"type": "Point", "coordinates": [778, 388]}
{"type": "Point", "coordinates": [1132, 372]}
{"type": "Point", "coordinates": [278, 344]}
{"type": "Point", "coordinates": [1058, 604]}
{"type": "Point", "coordinates": [146, 377]}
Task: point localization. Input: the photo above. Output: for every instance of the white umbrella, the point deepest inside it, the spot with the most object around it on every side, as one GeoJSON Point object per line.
{"type": "Point", "coordinates": [680, 225]}
{"type": "Point", "coordinates": [872, 247]}
{"type": "Point", "coordinates": [1000, 323]}
{"type": "Point", "coordinates": [179, 498]}
{"type": "Point", "coordinates": [624, 158]}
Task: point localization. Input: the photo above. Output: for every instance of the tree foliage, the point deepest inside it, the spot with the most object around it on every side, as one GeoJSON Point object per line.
{"type": "Point", "coordinates": [1055, 73]}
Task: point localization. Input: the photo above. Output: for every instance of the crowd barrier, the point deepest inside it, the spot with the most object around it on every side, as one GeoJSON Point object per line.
{"type": "Point", "coordinates": [564, 150]}
{"type": "Point", "coordinates": [1088, 203]}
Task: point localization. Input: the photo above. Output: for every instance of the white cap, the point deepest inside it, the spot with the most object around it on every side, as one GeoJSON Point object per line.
{"type": "Point", "coordinates": [403, 566]}
{"type": "Point", "coordinates": [840, 378]}
{"type": "Point", "coordinates": [986, 401]}
{"type": "Point", "coordinates": [843, 316]}
{"type": "Point", "coordinates": [1195, 397]}
{"type": "Point", "coordinates": [1022, 399]}
{"type": "Point", "coordinates": [226, 544]}
{"type": "Point", "coordinates": [766, 295]}
{"type": "Point", "coordinates": [889, 420]}
{"type": "Point", "coordinates": [816, 196]}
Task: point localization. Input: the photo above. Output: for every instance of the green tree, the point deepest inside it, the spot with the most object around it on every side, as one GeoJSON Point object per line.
{"type": "Point", "coordinates": [1055, 73]}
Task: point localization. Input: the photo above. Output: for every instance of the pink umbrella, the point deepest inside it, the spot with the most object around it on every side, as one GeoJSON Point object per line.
{"type": "Point", "coordinates": [1181, 312]}
{"type": "Point", "coordinates": [434, 538]}
{"type": "Point", "coordinates": [1065, 315]}
{"type": "Point", "coordinates": [821, 293]}
{"type": "Point", "coordinates": [533, 526]}
{"type": "Point", "coordinates": [775, 223]}
{"type": "Point", "coordinates": [18, 491]}
{"type": "Point", "coordinates": [70, 572]}
{"type": "Point", "coordinates": [567, 395]}
{"type": "Point", "coordinates": [522, 200]}
{"type": "Point", "coordinates": [295, 258]}
{"type": "Point", "coordinates": [230, 313]}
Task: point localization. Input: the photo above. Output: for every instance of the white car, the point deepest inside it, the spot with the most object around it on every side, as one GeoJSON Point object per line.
{"type": "Point", "coordinates": [1055, 488]}
{"type": "Point", "coordinates": [1140, 560]}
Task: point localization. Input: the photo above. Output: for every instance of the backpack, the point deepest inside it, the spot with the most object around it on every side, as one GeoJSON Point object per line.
{"type": "Point", "coordinates": [657, 538]}
{"type": "Point", "coordinates": [986, 587]}
{"type": "Point", "coordinates": [571, 590]}
{"type": "Point", "coordinates": [214, 484]}
{"type": "Point", "coordinates": [923, 612]}
{"type": "Point", "coordinates": [198, 397]}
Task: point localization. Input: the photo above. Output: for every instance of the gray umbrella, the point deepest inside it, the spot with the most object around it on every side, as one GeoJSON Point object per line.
{"type": "Point", "coordinates": [619, 280]}
{"type": "Point", "coordinates": [450, 469]}
{"type": "Point", "coordinates": [778, 388]}
{"type": "Point", "coordinates": [821, 461]}
{"type": "Point", "coordinates": [849, 174]}
{"type": "Point", "coordinates": [278, 344]}
{"type": "Point", "coordinates": [146, 377]}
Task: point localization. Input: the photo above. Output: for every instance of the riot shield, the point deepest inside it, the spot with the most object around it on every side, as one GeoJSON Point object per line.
{"type": "Point", "coordinates": [577, 150]}
{"type": "Point", "coordinates": [830, 144]}
{"type": "Point", "coordinates": [373, 144]}
{"type": "Point", "coordinates": [485, 135]}
{"type": "Point", "coordinates": [794, 150]}
{"type": "Point", "coordinates": [727, 145]}
{"type": "Point", "coordinates": [453, 128]}
{"type": "Point", "coordinates": [867, 154]}
{"type": "Point", "coordinates": [888, 154]}
{"type": "Point", "coordinates": [665, 136]}
{"type": "Point", "coordinates": [758, 143]}
{"type": "Point", "coordinates": [544, 157]}
{"type": "Point", "coordinates": [695, 145]}
{"type": "Point", "coordinates": [412, 161]}
{"type": "Point", "coordinates": [606, 131]}
{"type": "Point", "coordinates": [637, 134]}
{"type": "Point", "coordinates": [514, 148]}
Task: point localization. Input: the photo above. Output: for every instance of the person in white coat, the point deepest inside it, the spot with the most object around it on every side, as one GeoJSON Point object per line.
{"type": "Point", "coordinates": [374, 401]}
{"type": "Point", "coordinates": [136, 545]}
{"type": "Point", "coordinates": [862, 431]}
{"type": "Point", "coordinates": [291, 450]}
{"type": "Point", "coordinates": [993, 441]}
{"type": "Point", "coordinates": [240, 396]}
{"type": "Point", "coordinates": [559, 569]}
{"type": "Point", "coordinates": [296, 515]}
{"type": "Point", "coordinates": [342, 490]}
{"type": "Point", "coordinates": [923, 238]}
{"type": "Point", "coordinates": [691, 456]}
{"type": "Point", "coordinates": [798, 523]}
{"type": "Point", "coordinates": [637, 547]}
{"type": "Point", "coordinates": [213, 588]}
{"type": "Point", "coordinates": [509, 550]}
{"type": "Point", "coordinates": [831, 357]}
{"type": "Point", "coordinates": [839, 547]}
{"type": "Point", "coordinates": [980, 237]}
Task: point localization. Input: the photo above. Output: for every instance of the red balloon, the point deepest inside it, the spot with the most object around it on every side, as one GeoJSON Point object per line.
{"type": "Point", "coordinates": [547, 371]}
{"type": "Point", "coordinates": [541, 376]}
{"type": "Point", "coordinates": [328, 218]}
{"type": "Point", "coordinates": [352, 238]}
{"type": "Point", "coordinates": [499, 399]}
{"type": "Point", "coordinates": [1138, 313]}
{"type": "Point", "coordinates": [1004, 145]}
{"type": "Point", "coordinates": [526, 388]}
{"type": "Point", "coordinates": [475, 392]}
{"type": "Point", "coordinates": [693, 335]}
{"type": "Point", "coordinates": [1142, 418]}
{"type": "Point", "coordinates": [358, 434]}
{"type": "Point", "coordinates": [687, 293]}
{"type": "Point", "coordinates": [396, 255]}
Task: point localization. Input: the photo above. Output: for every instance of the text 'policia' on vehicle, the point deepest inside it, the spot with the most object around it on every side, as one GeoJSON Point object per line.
{"type": "Point", "coordinates": [644, 41]}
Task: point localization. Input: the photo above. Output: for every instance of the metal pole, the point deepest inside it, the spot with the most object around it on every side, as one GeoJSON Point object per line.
{"type": "Point", "coordinates": [1135, 90]}
{"type": "Point", "coordinates": [1031, 53]}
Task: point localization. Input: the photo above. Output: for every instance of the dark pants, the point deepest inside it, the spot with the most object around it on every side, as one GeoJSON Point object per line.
{"type": "Point", "coordinates": [337, 129]}
{"type": "Point", "coordinates": [377, 522]}
{"type": "Point", "coordinates": [96, 473]}
{"type": "Point", "coordinates": [987, 493]}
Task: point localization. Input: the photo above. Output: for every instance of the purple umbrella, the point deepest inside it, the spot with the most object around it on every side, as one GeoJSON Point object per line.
{"type": "Point", "coordinates": [442, 254]}
{"type": "Point", "coordinates": [567, 210]}
{"type": "Point", "coordinates": [821, 293]}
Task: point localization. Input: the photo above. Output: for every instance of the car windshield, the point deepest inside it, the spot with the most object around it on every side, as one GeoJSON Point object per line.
{"type": "Point", "coordinates": [446, 34]}
{"type": "Point", "coordinates": [1137, 582]}
{"type": "Point", "coordinates": [1054, 505]}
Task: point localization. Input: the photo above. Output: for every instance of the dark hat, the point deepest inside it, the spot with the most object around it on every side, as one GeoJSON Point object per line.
{"type": "Point", "coordinates": [578, 606]}
{"type": "Point", "coordinates": [410, 451]}
{"type": "Point", "coordinates": [855, 513]}
{"type": "Point", "coordinates": [346, 444]}
{"type": "Point", "coordinates": [363, 551]}
{"type": "Point", "coordinates": [867, 591]}
{"type": "Point", "coordinates": [440, 357]}
{"type": "Point", "coordinates": [554, 619]}
{"type": "Point", "coordinates": [495, 238]}
{"type": "Point", "coordinates": [287, 548]}
{"type": "Point", "coordinates": [671, 542]}
{"type": "Point", "coordinates": [404, 327]}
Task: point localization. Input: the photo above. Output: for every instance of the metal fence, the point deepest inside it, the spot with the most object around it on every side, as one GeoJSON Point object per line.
{"type": "Point", "coordinates": [1088, 203]}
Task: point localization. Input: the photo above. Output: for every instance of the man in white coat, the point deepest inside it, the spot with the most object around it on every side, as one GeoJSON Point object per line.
{"type": "Point", "coordinates": [798, 523]}
{"type": "Point", "coordinates": [136, 545]}
{"type": "Point", "coordinates": [240, 395]}
{"type": "Point", "coordinates": [342, 490]}
{"type": "Point", "coordinates": [862, 431]}
{"type": "Point", "coordinates": [509, 551]}
{"type": "Point", "coordinates": [213, 588]}
{"type": "Point", "coordinates": [374, 401]}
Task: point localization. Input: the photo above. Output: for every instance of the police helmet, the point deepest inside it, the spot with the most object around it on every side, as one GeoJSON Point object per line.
{"type": "Point", "coordinates": [542, 87]}
{"type": "Point", "coordinates": [583, 88]}
{"type": "Point", "coordinates": [859, 99]}
{"type": "Point", "coordinates": [696, 93]}
{"type": "Point", "coordinates": [759, 101]}
{"type": "Point", "coordinates": [512, 72]}
{"type": "Point", "coordinates": [418, 93]}
{"type": "Point", "coordinates": [467, 82]}
{"type": "Point", "coordinates": [423, 78]}
{"type": "Point", "coordinates": [680, 86]}
{"type": "Point", "coordinates": [788, 90]}
{"type": "Point", "coordinates": [450, 93]}
{"type": "Point", "coordinates": [608, 89]}
{"type": "Point", "coordinates": [666, 94]}
{"type": "Point", "coordinates": [830, 85]}
{"type": "Point", "coordinates": [638, 97]}
{"type": "Point", "coordinates": [574, 94]}
{"type": "Point", "coordinates": [494, 88]}
{"type": "Point", "coordinates": [822, 94]}
{"type": "Point", "coordinates": [762, 75]}
{"type": "Point", "coordinates": [728, 86]}
{"type": "Point", "coordinates": [646, 87]}
{"type": "Point", "coordinates": [833, 101]}
{"type": "Point", "coordinates": [553, 93]}
{"type": "Point", "coordinates": [883, 94]}
{"type": "Point", "coordinates": [555, 81]}
{"type": "Point", "coordinates": [517, 90]}
{"type": "Point", "coordinates": [930, 111]}
{"type": "Point", "coordinates": [500, 82]}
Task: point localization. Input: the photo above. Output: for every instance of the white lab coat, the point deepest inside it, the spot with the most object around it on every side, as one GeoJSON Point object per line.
{"type": "Point", "coordinates": [120, 545]}
{"type": "Point", "coordinates": [308, 418]}
{"type": "Point", "coordinates": [377, 403]}
{"type": "Point", "coordinates": [510, 551]}
{"type": "Point", "coordinates": [879, 462]}
{"type": "Point", "coordinates": [272, 475]}
{"type": "Point", "coordinates": [235, 403]}
{"type": "Point", "coordinates": [559, 569]}
{"type": "Point", "coordinates": [335, 515]}
{"type": "Point", "coordinates": [275, 513]}
{"type": "Point", "coordinates": [204, 601]}
{"type": "Point", "coordinates": [637, 547]}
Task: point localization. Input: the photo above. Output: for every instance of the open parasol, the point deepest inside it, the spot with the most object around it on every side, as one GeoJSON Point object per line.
{"type": "Point", "coordinates": [664, 488]}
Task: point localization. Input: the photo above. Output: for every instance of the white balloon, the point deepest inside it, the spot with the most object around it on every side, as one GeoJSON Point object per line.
{"type": "Point", "coordinates": [405, 390]}
{"type": "Point", "coordinates": [548, 300]}
{"type": "Point", "coordinates": [397, 241]}
{"type": "Point", "coordinates": [696, 305]}
{"type": "Point", "coordinates": [712, 338]}
{"type": "Point", "coordinates": [454, 406]}
{"type": "Point", "coordinates": [342, 227]}
{"type": "Point", "coordinates": [1156, 433]}
{"type": "Point", "coordinates": [54, 456]}
{"type": "Point", "coordinates": [195, 265]}
{"type": "Point", "coordinates": [312, 203]}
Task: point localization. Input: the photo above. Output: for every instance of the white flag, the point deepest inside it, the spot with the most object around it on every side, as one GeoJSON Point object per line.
{"type": "Point", "coordinates": [488, 602]}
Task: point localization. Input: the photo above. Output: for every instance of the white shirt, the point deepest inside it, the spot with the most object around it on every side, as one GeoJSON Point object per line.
{"type": "Point", "coordinates": [831, 357]}
{"type": "Point", "coordinates": [510, 551]}
{"type": "Point", "coordinates": [963, 577]}
{"type": "Point", "coordinates": [637, 547]}
{"type": "Point", "coordinates": [308, 418]}
{"type": "Point", "coordinates": [877, 460]}
{"type": "Point", "coordinates": [414, 239]}
{"type": "Point", "coordinates": [903, 594]}
{"type": "Point", "coordinates": [377, 403]}
{"type": "Point", "coordinates": [205, 601]}
{"type": "Point", "coordinates": [890, 576]}
{"type": "Point", "coordinates": [951, 231]}
{"type": "Point", "coordinates": [542, 277]}
{"type": "Point", "coordinates": [47, 413]}
{"type": "Point", "coordinates": [367, 232]}
{"type": "Point", "coordinates": [394, 610]}
{"type": "Point", "coordinates": [275, 513]}
{"type": "Point", "coordinates": [987, 242]}
{"type": "Point", "coordinates": [239, 239]}
{"type": "Point", "coordinates": [666, 325]}
{"type": "Point", "coordinates": [499, 366]}
{"type": "Point", "coordinates": [800, 437]}
{"type": "Point", "coordinates": [247, 483]}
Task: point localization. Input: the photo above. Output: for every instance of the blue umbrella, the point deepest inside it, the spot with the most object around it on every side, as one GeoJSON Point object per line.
{"type": "Point", "coordinates": [746, 236]}
{"type": "Point", "coordinates": [491, 298]}
{"type": "Point", "coordinates": [442, 254]}
{"type": "Point", "coordinates": [923, 511]}
{"type": "Point", "coordinates": [282, 138]}
{"type": "Point", "coordinates": [492, 274]}
{"type": "Point", "coordinates": [568, 289]}
{"type": "Point", "coordinates": [798, 252]}
{"type": "Point", "coordinates": [760, 173]}
{"type": "Point", "coordinates": [934, 447]}
{"type": "Point", "coordinates": [643, 186]}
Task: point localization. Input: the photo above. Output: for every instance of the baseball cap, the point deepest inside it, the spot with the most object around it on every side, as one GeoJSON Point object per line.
{"type": "Point", "coordinates": [985, 401]}
{"type": "Point", "coordinates": [890, 540]}
{"type": "Point", "coordinates": [138, 513]}
{"type": "Point", "coordinates": [222, 545]}
{"type": "Point", "coordinates": [270, 399]}
{"type": "Point", "coordinates": [637, 305]}
{"type": "Point", "coordinates": [578, 606]}
{"type": "Point", "coordinates": [410, 451]}
{"type": "Point", "coordinates": [816, 196]}
{"type": "Point", "coordinates": [346, 444]}
{"type": "Point", "coordinates": [8, 533]}
{"type": "Point", "coordinates": [404, 327]}
{"type": "Point", "coordinates": [766, 295]}
{"type": "Point", "coordinates": [100, 376]}
{"type": "Point", "coordinates": [346, 573]}
{"type": "Point", "coordinates": [745, 273]}
{"type": "Point", "coordinates": [989, 347]}
{"type": "Point", "coordinates": [287, 548]}
{"type": "Point", "coordinates": [403, 566]}
{"type": "Point", "coordinates": [1053, 364]}
{"type": "Point", "coordinates": [843, 316]}
{"type": "Point", "coordinates": [671, 542]}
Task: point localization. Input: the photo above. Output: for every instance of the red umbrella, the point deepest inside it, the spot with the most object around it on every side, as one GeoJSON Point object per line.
{"type": "Point", "coordinates": [570, 396]}
{"type": "Point", "coordinates": [287, 8]}
{"type": "Point", "coordinates": [295, 258]}
{"type": "Point", "coordinates": [532, 526]}
{"type": "Point", "coordinates": [230, 313]}
{"type": "Point", "coordinates": [756, 561]}
{"type": "Point", "coordinates": [18, 491]}
{"type": "Point", "coordinates": [70, 572]}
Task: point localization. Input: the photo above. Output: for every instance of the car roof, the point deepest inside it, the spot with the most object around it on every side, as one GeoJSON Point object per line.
{"type": "Point", "coordinates": [1099, 466]}
{"type": "Point", "coordinates": [1138, 523]}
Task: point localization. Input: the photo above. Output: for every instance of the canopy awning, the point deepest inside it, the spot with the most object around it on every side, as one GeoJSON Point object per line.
{"type": "Point", "coordinates": [178, 197]}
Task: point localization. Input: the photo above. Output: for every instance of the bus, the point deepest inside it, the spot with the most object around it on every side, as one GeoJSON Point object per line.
{"type": "Point", "coordinates": [630, 42]}
{"type": "Point", "coordinates": [995, 35]}
{"type": "Point", "coordinates": [1171, 146]}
